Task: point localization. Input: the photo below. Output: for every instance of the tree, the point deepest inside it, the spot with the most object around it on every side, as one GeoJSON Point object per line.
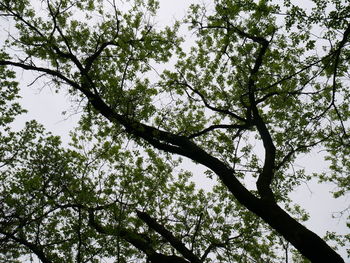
{"type": "Point", "coordinates": [256, 72]}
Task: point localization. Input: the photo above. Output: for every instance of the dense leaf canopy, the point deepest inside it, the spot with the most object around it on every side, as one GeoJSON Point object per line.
{"type": "Point", "coordinates": [241, 88]}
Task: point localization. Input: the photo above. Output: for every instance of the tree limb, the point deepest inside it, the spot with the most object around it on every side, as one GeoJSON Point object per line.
{"type": "Point", "coordinates": [167, 235]}
{"type": "Point", "coordinates": [136, 240]}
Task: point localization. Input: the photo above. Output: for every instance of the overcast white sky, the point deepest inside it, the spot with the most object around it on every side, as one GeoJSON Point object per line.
{"type": "Point", "coordinates": [46, 107]}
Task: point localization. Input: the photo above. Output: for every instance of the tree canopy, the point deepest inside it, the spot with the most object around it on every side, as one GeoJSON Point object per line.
{"type": "Point", "coordinates": [207, 89]}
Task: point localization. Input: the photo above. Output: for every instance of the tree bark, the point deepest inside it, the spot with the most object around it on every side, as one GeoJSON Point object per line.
{"type": "Point", "coordinates": [305, 241]}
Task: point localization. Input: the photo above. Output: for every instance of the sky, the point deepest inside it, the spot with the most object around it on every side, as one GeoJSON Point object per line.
{"type": "Point", "coordinates": [47, 107]}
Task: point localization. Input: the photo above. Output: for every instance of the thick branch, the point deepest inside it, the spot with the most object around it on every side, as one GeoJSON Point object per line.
{"type": "Point", "coordinates": [91, 59]}
{"type": "Point", "coordinates": [335, 73]}
{"type": "Point", "coordinates": [136, 240]}
{"type": "Point", "coordinates": [265, 178]}
{"type": "Point", "coordinates": [167, 235]}
{"type": "Point", "coordinates": [133, 238]}
{"type": "Point", "coordinates": [216, 245]}
{"type": "Point", "coordinates": [37, 250]}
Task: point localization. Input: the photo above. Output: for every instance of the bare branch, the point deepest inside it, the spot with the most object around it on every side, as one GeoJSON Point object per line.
{"type": "Point", "coordinates": [223, 111]}
{"type": "Point", "coordinates": [218, 126]}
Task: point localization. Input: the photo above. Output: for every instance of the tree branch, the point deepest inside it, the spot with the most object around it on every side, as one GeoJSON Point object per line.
{"type": "Point", "coordinates": [215, 245]}
{"type": "Point", "coordinates": [218, 126]}
{"type": "Point", "coordinates": [223, 111]}
{"type": "Point", "coordinates": [167, 235]}
{"type": "Point", "coordinates": [37, 250]}
{"type": "Point", "coordinates": [265, 178]}
{"type": "Point", "coordinates": [136, 240]}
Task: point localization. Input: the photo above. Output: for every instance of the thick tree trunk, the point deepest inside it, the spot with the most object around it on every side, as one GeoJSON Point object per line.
{"type": "Point", "coordinates": [305, 241]}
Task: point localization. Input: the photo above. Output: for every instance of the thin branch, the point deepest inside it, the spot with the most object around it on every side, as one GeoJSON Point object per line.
{"type": "Point", "coordinates": [216, 245]}
{"type": "Point", "coordinates": [286, 78]}
{"type": "Point", "coordinates": [235, 29]}
{"type": "Point", "coordinates": [223, 111]}
{"type": "Point", "coordinates": [196, 230]}
{"type": "Point", "coordinates": [287, 157]}
{"type": "Point", "coordinates": [48, 71]}
{"type": "Point", "coordinates": [218, 126]}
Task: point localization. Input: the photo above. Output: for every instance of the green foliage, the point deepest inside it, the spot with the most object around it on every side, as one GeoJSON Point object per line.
{"type": "Point", "coordinates": [257, 73]}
